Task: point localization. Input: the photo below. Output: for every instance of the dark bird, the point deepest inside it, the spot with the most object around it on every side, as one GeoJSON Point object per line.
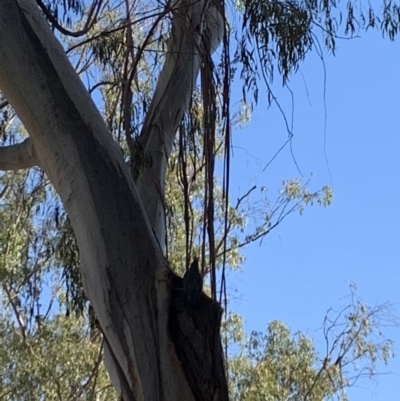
{"type": "Point", "coordinates": [193, 283]}
{"type": "Point", "coordinates": [339, 361]}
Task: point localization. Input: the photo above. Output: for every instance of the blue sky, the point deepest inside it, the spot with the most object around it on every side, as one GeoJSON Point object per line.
{"type": "Point", "coordinates": [306, 264]}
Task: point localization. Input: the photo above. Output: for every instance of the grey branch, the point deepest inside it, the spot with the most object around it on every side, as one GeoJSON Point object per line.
{"type": "Point", "coordinates": [18, 156]}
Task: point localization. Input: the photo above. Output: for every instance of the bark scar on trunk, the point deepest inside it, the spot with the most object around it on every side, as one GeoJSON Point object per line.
{"type": "Point", "coordinates": [195, 332]}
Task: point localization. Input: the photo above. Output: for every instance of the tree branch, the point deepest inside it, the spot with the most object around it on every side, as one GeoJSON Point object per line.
{"type": "Point", "coordinates": [191, 21]}
{"type": "Point", "coordinates": [91, 19]}
{"type": "Point", "coordinates": [16, 157]}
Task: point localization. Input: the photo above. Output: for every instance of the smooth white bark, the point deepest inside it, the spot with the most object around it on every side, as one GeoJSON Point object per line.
{"type": "Point", "coordinates": [192, 20]}
{"type": "Point", "coordinates": [19, 156]}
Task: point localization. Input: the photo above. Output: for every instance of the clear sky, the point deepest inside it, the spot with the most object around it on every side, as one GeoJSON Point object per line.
{"type": "Point", "coordinates": [306, 264]}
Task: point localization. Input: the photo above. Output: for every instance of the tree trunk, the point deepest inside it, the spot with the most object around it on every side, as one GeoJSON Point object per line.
{"type": "Point", "coordinates": [159, 347]}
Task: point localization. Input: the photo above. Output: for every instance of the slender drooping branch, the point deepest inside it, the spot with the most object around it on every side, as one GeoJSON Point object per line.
{"type": "Point", "coordinates": [19, 156]}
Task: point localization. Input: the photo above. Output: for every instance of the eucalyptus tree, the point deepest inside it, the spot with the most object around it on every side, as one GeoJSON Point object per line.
{"type": "Point", "coordinates": [158, 346]}
{"type": "Point", "coordinates": [119, 225]}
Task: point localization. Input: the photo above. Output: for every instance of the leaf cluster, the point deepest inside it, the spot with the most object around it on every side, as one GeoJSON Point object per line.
{"type": "Point", "coordinates": [278, 365]}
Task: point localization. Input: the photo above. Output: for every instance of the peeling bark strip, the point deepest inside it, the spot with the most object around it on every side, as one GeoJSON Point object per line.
{"type": "Point", "coordinates": [195, 331]}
